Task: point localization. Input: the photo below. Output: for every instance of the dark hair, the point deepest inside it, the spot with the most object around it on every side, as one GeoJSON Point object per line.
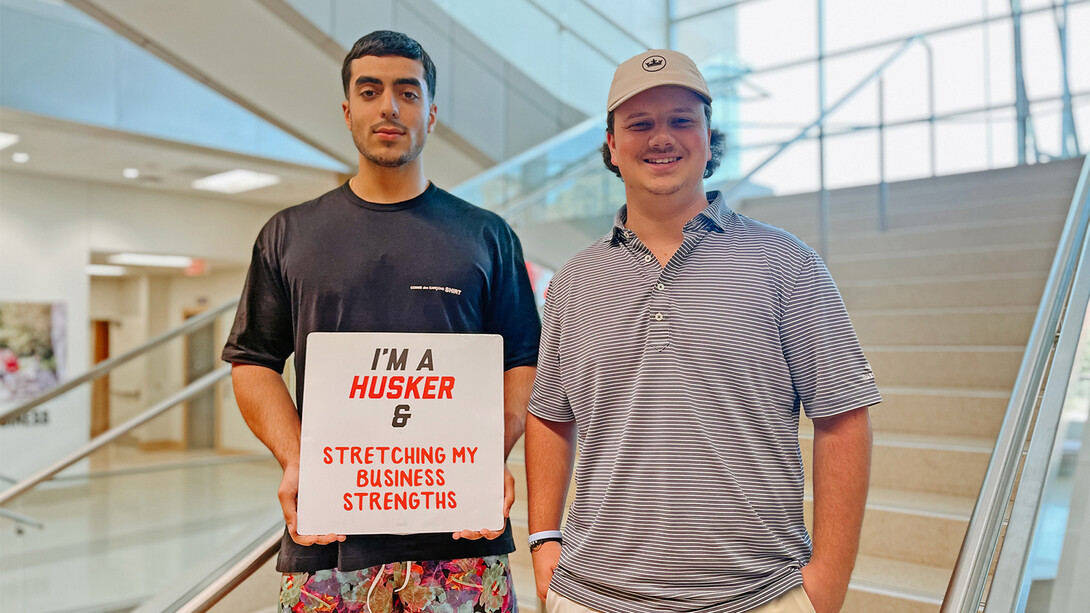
{"type": "Point", "coordinates": [717, 145]}
{"type": "Point", "coordinates": [386, 42]}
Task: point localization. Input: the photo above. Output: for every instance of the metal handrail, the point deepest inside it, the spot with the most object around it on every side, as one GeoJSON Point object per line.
{"type": "Point", "coordinates": [966, 587]}
{"type": "Point", "coordinates": [876, 73]}
{"type": "Point", "coordinates": [218, 582]}
{"type": "Point", "coordinates": [783, 146]}
{"type": "Point", "coordinates": [106, 366]}
{"type": "Point", "coordinates": [20, 519]}
{"type": "Point", "coordinates": [94, 444]}
{"type": "Point", "coordinates": [1008, 581]}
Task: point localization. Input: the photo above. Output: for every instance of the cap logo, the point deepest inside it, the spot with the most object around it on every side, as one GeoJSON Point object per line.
{"type": "Point", "coordinates": [654, 63]}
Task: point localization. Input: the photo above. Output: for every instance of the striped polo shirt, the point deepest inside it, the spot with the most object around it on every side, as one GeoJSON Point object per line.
{"type": "Point", "coordinates": [685, 383]}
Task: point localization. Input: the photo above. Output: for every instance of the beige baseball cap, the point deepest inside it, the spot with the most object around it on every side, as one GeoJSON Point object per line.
{"type": "Point", "coordinates": [654, 68]}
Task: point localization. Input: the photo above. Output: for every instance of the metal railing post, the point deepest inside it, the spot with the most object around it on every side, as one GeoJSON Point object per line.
{"type": "Point", "coordinates": [883, 186]}
{"type": "Point", "coordinates": [931, 103]}
{"type": "Point", "coordinates": [823, 195]}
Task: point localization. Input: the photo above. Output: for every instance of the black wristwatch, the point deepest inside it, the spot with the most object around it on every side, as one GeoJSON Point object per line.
{"type": "Point", "coordinates": [535, 545]}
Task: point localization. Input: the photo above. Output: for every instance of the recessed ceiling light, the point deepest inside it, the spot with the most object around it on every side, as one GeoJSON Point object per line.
{"type": "Point", "coordinates": [105, 270]}
{"type": "Point", "coordinates": [130, 173]}
{"type": "Point", "coordinates": [7, 140]}
{"type": "Point", "coordinates": [150, 259]}
{"type": "Point", "coordinates": [235, 181]}
{"type": "Point", "coordinates": [20, 157]}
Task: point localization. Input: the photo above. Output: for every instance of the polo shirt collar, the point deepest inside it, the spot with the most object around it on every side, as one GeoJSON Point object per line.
{"type": "Point", "coordinates": [717, 215]}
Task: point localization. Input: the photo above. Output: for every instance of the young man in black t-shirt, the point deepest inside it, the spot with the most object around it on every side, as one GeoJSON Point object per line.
{"type": "Point", "coordinates": [360, 259]}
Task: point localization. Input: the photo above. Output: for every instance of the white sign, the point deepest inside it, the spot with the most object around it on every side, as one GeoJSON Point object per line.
{"type": "Point", "coordinates": [402, 433]}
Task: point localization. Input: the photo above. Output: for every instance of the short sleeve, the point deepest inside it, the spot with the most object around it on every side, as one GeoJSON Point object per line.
{"type": "Point", "coordinates": [547, 398]}
{"type": "Point", "coordinates": [262, 334]}
{"type": "Point", "coordinates": [511, 308]}
{"type": "Point", "coordinates": [829, 371]}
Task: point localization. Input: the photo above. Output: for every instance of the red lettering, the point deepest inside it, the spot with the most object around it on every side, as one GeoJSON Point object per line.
{"type": "Point", "coordinates": [394, 455]}
{"type": "Point", "coordinates": [374, 500]}
{"type": "Point", "coordinates": [368, 454]}
{"type": "Point", "coordinates": [342, 450]}
{"type": "Point", "coordinates": [361, 478]}
{"type": "Point", "coordinates": [450, 499]}
{"type": "Point", "coordinates": [371, 393]}
{"type": "Point", "coordinates": [382, 453]}
{"type": "Point", "coordinates": [427, 499]}
{"type": "Point", "coordinates": [387, 500]}
{"type": "Point", "coordinates": [440, 500]}
{"type": "Point", "coordinates": [439, 479]}
{"type": "Point", "coordinates": [356, 455]}
{"type": "Point", "coordinates": [328, 458]}
{"type": "Point", "coordinates": [401, 501]}
{"type": "Point", "coordinates": [411, 389]}
{"type": "Point", "coordinates": [358, 386]}
{"type": "Point", "coordinates": [359, 498]}
{"type": "Point", "coordinates": [394, 387]}
{"type": "Point", "coordinates": [414, 501]}
{"type": "Point", "coordinates": [446, 387]}
{"type": "Point", "coordinates": [348, 501]}
{"type": "Point", "coordinates": [429, 387]}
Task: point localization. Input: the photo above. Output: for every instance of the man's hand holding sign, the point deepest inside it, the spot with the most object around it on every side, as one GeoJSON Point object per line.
{"type": "Point", "coordinates": [402, 434]}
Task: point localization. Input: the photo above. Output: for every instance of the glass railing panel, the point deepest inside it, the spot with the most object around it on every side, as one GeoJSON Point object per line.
{"type": "Point", "coordinates": [132, 519]}
{"type": "Point", "coordinates": [533, 170]}
{"type": "Point", "coordinates": [1059, 558]}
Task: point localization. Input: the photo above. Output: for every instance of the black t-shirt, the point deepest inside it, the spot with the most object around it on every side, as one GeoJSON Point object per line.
{"type": "Point", "coordinates": [341, 264]}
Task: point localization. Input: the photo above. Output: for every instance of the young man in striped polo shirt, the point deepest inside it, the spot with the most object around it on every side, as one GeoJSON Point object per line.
{"type": "Point", "coordinates": [677, 349]}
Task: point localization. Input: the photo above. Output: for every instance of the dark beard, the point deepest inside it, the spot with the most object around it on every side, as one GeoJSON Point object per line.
{"type": "Point", "coordinates": [386, 161]}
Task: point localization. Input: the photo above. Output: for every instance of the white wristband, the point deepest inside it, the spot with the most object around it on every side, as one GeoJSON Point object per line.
{"type": "Point", "coordinates": [544, 534]}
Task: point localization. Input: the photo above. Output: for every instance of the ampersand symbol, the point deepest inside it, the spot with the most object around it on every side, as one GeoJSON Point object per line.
{"type": "Point", "coordinates": [401, 416]}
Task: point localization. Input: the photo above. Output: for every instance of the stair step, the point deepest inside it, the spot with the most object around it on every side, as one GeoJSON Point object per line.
{"type": "Point", "coordinates": [976, 234]}
{"type": "Point", "coordinates": [895, 586]}
{"type": "Point", "coordinates": [952, 466]}
{"type": "Point", "coordinates": [987, 290]}
{"type": "Point", "coordinates": [804, 221]}
{"type": "Point", "coordinates": [947, 326]}
{"type": "Point", "coordinates": [1027, 258]}
{"type": "Point", "coordinates": [1055, 180]}
{"type": "Point", "coordinates": [940, 411]}
{"type": "Point", "coordinates": [966, 366]}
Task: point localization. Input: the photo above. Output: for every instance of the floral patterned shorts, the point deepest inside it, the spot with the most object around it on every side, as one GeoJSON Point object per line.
{"type": "Point", "coordinates": [467, 585]}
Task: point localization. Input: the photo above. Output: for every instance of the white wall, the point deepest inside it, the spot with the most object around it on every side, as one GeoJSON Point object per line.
{"type": "Point", "coordinates": [48, 229]}
{"type": "Point", "coordinates": [43, 250]}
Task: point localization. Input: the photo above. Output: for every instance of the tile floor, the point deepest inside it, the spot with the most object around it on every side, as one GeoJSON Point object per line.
{"type": "Point", "coordinates": [112, 541]}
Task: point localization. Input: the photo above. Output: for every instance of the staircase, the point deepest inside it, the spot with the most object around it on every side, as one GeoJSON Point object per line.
{"type": "Point", "coordinates": [943, 303]}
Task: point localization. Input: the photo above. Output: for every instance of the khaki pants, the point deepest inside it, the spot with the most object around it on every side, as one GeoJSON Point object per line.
{"type": "Point", "coordinates": [794, 601]}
